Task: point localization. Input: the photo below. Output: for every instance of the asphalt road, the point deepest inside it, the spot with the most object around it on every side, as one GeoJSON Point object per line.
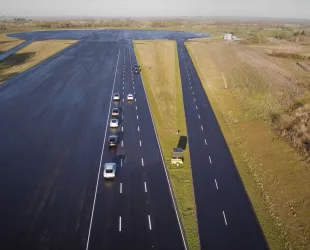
{"type": "Point", "coordinates": [53, 121]}
{"type": "Point", "coordinates": [226, 219]}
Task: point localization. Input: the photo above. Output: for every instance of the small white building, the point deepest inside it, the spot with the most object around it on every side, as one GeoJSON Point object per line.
{"type": "Point", "coordinates": [228, 37]}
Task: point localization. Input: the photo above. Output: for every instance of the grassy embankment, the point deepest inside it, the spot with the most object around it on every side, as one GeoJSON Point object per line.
{"type": "Point", "coordinates": [29, 56]}
{"type": "Point", "coordinates": [161, 79]}
{"type": "Point", "coordinates": [260, 88]}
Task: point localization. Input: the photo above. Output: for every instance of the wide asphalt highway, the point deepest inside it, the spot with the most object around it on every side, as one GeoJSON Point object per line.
{"type": "Point", "coordinates": [226, 219]}
{"type": "Point", "coordinates": [53, 125]}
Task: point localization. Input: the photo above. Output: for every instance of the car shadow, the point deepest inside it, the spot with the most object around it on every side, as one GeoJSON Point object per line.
{"type": "Point", "coordinates": [182, 142]}
{"type": "Point", "coordinates": [119, 161]}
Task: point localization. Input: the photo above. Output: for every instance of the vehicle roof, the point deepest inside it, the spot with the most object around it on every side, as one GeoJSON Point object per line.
{"type": "Point", "coordinates": [109, 165]}
{"type": "Point", "coordinates": [115, 109]}
{"type": "Point", "coordinates": [116, 93]}
{"type": "Point", "coordinates": [113, 136]}
{"type": "Point", "coordinates": [114, 120]}
{"type": "Point", "coordinates": [129, 94]}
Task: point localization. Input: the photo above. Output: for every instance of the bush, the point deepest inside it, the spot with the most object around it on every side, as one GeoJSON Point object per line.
{"type": "Point", "coordinates": [258, 37]}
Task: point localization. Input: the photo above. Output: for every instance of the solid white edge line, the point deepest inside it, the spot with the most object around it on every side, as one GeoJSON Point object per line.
{"type": "Point", "coordinates": [165, 168]}
{"type": "Point", "coordinates": [225, 218]}
{"type": "Point", "coordinates": [145, 188]}
{"type": "Point", "coordinates": [121, 188]}
{"type": "Point", "coordinates": [100, 164]}
{"type": "Point", "coordinates": [210, 159]}
{"type": "Point", "coordinates": [142, 162]}
{"type": "Point", "coordinates": [150, 224]}
{"type": "Point", "coordinates": [216, 184]}
{"type": "Point", "coordinates": [120, 224]}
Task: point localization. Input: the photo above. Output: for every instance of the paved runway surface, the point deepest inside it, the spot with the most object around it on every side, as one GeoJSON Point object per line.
{"type": "Point", "coordinates": [226, 219]}
{"type": "Point", "coordinates": [53, 121]}
{"type": "Point", "coordinates": [53, 125]}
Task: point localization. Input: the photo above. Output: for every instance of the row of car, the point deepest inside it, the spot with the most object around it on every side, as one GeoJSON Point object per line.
{"type": "Point", "coordinates": [109, 169]}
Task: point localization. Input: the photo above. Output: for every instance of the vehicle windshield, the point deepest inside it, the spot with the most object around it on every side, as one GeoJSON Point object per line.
{"type": "Point", "coordinates": [109, 171]}
{"type": "Point", "coordinates": [112, 139]}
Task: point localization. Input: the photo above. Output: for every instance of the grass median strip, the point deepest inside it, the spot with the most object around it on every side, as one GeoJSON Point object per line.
{"type": "Point", "coordinates": [7, 43]}
{"type": "Point", "coordinates": [161, 80]}
{"type": "Point", "coordinates": [29, 56]}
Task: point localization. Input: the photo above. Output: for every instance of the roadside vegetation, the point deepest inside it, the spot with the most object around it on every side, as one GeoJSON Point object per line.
{"type": "Point", "coordinates": [161, 80]}
{"type": "Point", "coordinates": [264, 113]}
{"type": "Point", "coordinates": [29, 56]}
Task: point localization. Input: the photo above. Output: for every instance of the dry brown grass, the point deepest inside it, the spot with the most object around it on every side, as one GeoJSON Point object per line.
{"type": "Point", "coordinates": [30, 56]}
{"type": "Point", "coordinates": [7, 43]}
{"type": "Point", "coordinates": [161, 79]}
{"type": "Point", "coordinates": [274, 174]}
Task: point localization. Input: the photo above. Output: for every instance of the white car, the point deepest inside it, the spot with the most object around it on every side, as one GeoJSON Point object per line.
{"type": "Point", "coordinates": [109, 170]}
{"type": "Point", "coordinates": [114, 123]}
{"type": "Point", "coordinates": [116, 97]}
{"type": "Point", "coordinates": [130, 97]}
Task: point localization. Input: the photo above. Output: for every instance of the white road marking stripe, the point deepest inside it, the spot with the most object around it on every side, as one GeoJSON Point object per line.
{"type": "Point", "coordinates": [206, 142]}
{"type": "Point", "coordinates": [121, 162]}
{"type": "Point", "coordinates": [201, 127]}
{"type": "Point", "coordinates": [135, 100]}
{"type": "Point", "coordinates": [121, 188]}
{"type": "Point", "coordinates": [123, 99]}
{"type": "Point", "coordinates": [198, 116]}
{"type": "Point", "coordinates": [196, 107]}
{"type": "Point", "coordinates": [134, 93]}
{"type": "Point", "coordinates": [145, 188]}
{"type": "Point", "coordinates": [138, 128]}
{"type": "Point", "coordinates": [136, 108]}
{"type": "Point", "coordinates": [122, 143]}
{"type": "Point", "coordinates": [122, 117]}
{"type": "Point", "coordinates": [122, 129]}
{"type": "Point", "coordinates": [210, 160]}
{"type": "Point", "coordinates": [140, 143]}
{"type": "Point", "coordinates": [190, 82]}
{"type": "Point", "coordinates": [142, 162]}
{"type": "Point", "coordinates": [123, 78]}
{"type": "Point", "coordinates": [120, 224]}
{"type": "Point", "coordinates": [150, 225]}
{"type": "Point", "coordinates": [123, 87]}
{"type": "Point", "coordinates": [216, 184]}
{"type": "Point", "coordinates": [191, 87]}
{"type": "Point", "coordinates": [100, 164]}
{"type": "Point", "coordinates": [123, 82]}
{"type": "Point", "coordinates": [133, 87]}
{"type": "Point", "coordinates": [194, 99]}
{"type": "Point", "coordinates": [225, 218]}
{"type": "Point", "coordinates": [193, 93]}
{"type": "Point", "coordinates": [137, 117]}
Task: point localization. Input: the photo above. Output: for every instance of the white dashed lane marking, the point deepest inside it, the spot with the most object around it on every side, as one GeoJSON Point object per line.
{"type": "Point", "coordinates": [210, 160]}
{"type": "Point", "coordinates": [224, 218]}
{"type": "Point", "coordinates": [150, 224]}
{"type": "Point", "coordinates": [138, 128]}
{"type": "Point", "coordinates": [140, 143]}
{"type": "Point", "coordinates": [120, 224]}
{"type": "Point", "coordinates": [145, 188]}
{"type": "Point", "coordinates": [121, 188]}
{"type": "Point", "coordinates": [142, 162]}
{"type": "Point", "coordinates": [137, 117]}
{"type": "Point", "coordinates": [216, 184]}
{"type": "Point", "coordinates": [122, 144]}
{"type": "Point", "coordinates": [198, 116]}
{"type": "Point", "coordinates": [201, 127]}
{"type": "Point", "coordinates": [206, 142]}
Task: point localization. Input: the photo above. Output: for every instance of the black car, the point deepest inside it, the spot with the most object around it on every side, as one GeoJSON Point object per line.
{"type": "Point", "coordinates": [112, 140]}
{"type": "Point", "coordinates": [136, 69]}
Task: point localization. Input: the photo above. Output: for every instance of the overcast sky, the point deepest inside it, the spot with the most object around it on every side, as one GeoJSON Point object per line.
{"type": "Point", "coordinates": [254, 8]}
